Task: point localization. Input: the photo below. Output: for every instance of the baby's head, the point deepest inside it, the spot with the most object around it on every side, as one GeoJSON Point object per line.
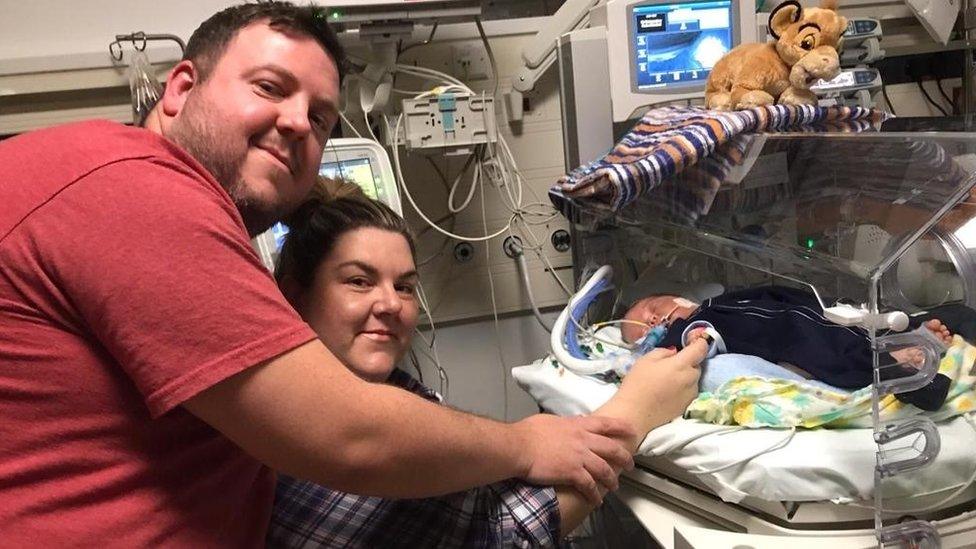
{"type": "Point", "coordinates": [653, 310]}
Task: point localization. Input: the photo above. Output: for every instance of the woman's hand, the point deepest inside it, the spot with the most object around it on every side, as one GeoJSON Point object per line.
{"type": "Point", "coordinates": [668, 378]}
{"type": "Point", "coordinates": [658, 388]}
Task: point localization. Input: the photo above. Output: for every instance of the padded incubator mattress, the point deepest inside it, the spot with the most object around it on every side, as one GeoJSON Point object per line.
{"type": "Point", "coordinates": [771, 464]}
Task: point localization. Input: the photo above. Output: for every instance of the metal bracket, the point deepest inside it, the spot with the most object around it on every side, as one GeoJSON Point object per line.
{"type": "Point", "coordinates": [139, 40]}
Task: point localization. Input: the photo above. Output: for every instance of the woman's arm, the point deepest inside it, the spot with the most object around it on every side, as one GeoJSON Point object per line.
{"type": "Point", "coordinates": [657, 390]}
{"type": "Point", "coordinates": [507, 513]}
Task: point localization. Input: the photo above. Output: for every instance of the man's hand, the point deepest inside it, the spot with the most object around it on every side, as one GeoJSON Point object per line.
{"type": "Point", "coordinates": [580, 452]}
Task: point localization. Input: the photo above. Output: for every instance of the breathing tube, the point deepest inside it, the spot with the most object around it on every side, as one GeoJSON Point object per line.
{"type": "Point", "coordinates": [564, 340]}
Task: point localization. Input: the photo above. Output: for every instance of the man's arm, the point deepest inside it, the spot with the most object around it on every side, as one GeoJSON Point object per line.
{"type": "Point", "coordinates": [305, 414]}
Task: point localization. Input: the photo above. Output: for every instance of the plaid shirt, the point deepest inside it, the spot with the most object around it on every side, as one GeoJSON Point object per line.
{"type": "Point", "coordinates": [504, 514]}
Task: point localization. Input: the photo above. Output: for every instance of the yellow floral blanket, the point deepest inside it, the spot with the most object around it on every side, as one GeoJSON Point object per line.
{"type": "Point", "coordinates": [761, 402]}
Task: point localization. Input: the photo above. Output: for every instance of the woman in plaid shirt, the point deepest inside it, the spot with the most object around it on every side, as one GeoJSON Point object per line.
{"type": "Point", "coordinates": [348, 267]}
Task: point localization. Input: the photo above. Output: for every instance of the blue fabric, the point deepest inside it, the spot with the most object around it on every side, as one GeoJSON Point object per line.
{"type": "Point", "coordinates": [718, 370]}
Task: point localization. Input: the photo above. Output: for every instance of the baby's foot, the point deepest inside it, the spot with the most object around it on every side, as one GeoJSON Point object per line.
{"type": "Point", "coordinates": [939, 330]}
{"type": "Point", "coordinates": [914, 356]}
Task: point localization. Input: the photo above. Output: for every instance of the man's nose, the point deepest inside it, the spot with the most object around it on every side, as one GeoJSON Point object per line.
{"type": "Point", "coordinates": [293, 118]}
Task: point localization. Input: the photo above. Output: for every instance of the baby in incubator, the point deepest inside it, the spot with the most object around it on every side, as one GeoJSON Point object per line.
{"type": "Point", "coordinates": [786, 326]}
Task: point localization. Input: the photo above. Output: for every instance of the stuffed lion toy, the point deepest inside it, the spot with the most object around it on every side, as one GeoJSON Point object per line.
{"type": "Point", "coordinates": [804, 51]}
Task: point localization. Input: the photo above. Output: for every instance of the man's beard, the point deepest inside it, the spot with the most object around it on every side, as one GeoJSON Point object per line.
{"type": "Point", "coordinates": [210, 145]}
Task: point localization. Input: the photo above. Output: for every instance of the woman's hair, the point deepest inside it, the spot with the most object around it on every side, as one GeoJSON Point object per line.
{"type": "Point", "coordinates": [332, 209]}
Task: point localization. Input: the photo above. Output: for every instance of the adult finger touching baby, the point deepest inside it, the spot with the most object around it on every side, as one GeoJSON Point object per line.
{"type": "Point", "coordinates": [658, 388]}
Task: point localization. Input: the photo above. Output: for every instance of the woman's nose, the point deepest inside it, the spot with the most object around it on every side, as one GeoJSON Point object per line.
{"type": "Point", "coordinates": [387, 302]}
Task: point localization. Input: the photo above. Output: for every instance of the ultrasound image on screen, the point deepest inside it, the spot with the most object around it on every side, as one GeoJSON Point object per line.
{"type": "Point", "coordinates": [678, 44]}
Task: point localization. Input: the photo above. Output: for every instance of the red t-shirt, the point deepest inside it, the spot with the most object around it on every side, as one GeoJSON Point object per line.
{"type": "Point", "coordinates": [127, 286]}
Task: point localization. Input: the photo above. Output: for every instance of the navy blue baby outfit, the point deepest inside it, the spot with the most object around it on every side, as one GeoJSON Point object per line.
{"type": "Point", "coordinates": [781, 324]}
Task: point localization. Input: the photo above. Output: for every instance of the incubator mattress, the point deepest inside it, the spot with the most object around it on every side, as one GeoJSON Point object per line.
{"type": "Point", "coordinates": [808, 465]}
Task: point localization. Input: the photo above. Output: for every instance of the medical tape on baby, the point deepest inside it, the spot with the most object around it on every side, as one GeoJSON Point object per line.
{"type": "Point", "coordinates": [715, 346]}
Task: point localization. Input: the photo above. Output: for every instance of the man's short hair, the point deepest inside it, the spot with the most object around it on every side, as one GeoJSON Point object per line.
{"type": "Point", "coordinates": [208, 43]}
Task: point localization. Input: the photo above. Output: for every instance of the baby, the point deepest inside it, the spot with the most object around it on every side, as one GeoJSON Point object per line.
{"type": "Point", "coordinates": [786, 326]}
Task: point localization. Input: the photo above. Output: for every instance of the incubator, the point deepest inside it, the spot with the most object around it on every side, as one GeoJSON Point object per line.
{"type": "Point", "coordinates": [881, 228]}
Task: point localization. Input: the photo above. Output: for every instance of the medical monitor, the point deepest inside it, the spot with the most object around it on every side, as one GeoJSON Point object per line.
{"type": "Point", "coordinates": [674, 45]}
{"type": "Point", "coordinates": [663, 50]}
{"type": "Point", "coordinates": [360, 161]}
{"type": "Point", "coordinates": [365, 163]}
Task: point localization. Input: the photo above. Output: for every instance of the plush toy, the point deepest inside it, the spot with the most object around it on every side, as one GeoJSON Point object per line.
{"type": "Point", "coordinates": [782, 72]}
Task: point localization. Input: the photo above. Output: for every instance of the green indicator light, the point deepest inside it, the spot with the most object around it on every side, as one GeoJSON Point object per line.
{"type": "Point", "coordinates": [810, 243]}
{"type": "Point", "coordinates": [336, 15]}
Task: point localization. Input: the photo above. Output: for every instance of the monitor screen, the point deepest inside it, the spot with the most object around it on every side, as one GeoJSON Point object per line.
{"type": "Point", "coordinates": [677, 44]}
{"type": "Point", "coordinates": [356, 170]}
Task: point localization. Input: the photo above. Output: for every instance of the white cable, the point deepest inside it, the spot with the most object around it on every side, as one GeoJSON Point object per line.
{"type": "Point", "coordinates": [494, 308]}
{"type": "Point", "coordinates": [348, 123]}
{"type": "Point", "coordinates": [431, 74]}
{"type": "Point", "coordinates": [524, 271]}
{"type": "Point", "coordinates": [780, 444]}
{"type": "Point", "coordinates": [475, 180]}
{"type": "Point", "coordinates": [432, 343]}
{"type": "Point", "coordinates": [413, 203]}
{"type": "Point", "coordinates": [369, 127]}
{"type": "Point", "coordinates": [685, 443]}
{"type": "Point", "coordinates": [491, 56]}
{"type": "Point", "coordinates": [545, 259]}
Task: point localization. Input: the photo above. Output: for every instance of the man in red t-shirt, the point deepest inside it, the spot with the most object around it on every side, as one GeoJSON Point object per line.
{"type": "Point", "coordinates": [150, 371]}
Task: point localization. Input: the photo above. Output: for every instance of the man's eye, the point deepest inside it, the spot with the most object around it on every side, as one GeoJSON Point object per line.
{"type": "Point", "coordinates": [269, 87]}
{"type": "Point", "coordinates": [319, 120]}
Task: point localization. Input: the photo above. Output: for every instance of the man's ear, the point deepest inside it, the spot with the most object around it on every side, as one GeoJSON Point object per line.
{"type": "Point", "coordinates": [182, 79]}
{"type": "Point", "coordinates": [783, 16]}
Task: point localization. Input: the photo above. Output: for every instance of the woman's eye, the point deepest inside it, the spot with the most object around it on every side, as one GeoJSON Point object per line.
{"type": "Point", "coordinates": [405, 289]}
{"type": "Point", "coordinates": [358, 282]}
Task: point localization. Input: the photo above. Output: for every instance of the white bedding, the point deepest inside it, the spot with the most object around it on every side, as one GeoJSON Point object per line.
{"type": "Point", "coordinates": [815, 465]}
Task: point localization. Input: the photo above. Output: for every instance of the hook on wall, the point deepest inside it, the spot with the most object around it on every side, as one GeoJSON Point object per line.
{"type": "Point", "coordinates": [139, 40]}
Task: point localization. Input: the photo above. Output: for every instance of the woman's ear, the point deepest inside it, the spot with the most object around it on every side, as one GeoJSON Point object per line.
{"type": "Point", "coordinates": [291, 290]}
{"type": "Point", "coordinates": [783, 16]}
{"type": "Point", "coordinates": [182, 79]}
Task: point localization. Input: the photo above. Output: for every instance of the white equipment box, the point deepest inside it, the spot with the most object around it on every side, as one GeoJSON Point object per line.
{"type": "Point", "coordinates": [449, 120]}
